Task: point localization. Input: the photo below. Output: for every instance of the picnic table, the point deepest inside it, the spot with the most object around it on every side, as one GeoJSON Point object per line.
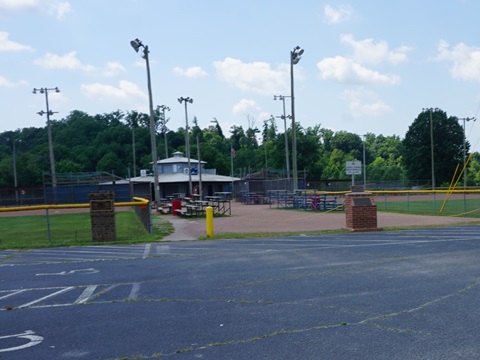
{"type": "Point", "coordinates": [165, 208]}
{"type": "Point", "coordinates": [186, 200]}
{"type": "Point", "coordinates": [220, 206]}
{"type": "Point", "coordinates": [183, 212]}
{"type": "Point", "coordinates": [201, 203]}
{"type": "Point", "coordinates": [225, 195]}
{"type": "Point", "coordinates": [198, 207]}
{"type": "Point", "coordinates": [178, 195]}
{"type": "Point", "coordinates": [164, 205]}
{"type": "Point", "coordinates": [194, 210]}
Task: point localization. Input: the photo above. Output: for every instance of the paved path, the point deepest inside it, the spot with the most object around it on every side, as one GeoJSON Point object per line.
{"type": "Point", "coordinates": [262, 218]}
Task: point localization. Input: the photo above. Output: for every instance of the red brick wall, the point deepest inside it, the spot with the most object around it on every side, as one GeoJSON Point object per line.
{"type": "Point", "coordinates": [360, 217]}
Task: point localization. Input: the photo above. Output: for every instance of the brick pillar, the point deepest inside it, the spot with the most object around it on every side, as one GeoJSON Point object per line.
{"type": "Point", "coordinates": [102, 215]}
{"type": "Point", "coordinates": [360, 212]}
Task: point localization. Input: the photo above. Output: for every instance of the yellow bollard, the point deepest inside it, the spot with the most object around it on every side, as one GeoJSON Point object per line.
{"type": "Point", "coordinates": [209, 220]}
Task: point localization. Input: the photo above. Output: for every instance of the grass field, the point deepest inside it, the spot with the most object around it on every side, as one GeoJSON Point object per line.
{"type": "Point", "coordinates": [453, 207]}
{"type": "Point", "coordinates": [68, 229]}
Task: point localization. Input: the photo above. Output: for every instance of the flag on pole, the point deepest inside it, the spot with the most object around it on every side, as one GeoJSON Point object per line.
{"type": "Point", "coordinates": [233, 151]}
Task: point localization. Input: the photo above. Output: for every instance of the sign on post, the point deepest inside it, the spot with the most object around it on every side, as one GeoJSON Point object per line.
{"type": "Point", "coordinates": [353, 168]}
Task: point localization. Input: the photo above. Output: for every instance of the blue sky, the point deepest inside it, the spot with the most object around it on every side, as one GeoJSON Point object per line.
{"type": "Point", "coordinates": [368, 66]}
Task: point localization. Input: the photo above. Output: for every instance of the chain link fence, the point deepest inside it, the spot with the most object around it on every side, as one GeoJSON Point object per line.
{"type": "Point", "coordinates": [52, 225]}
{"type": "Point", "coordinates": [460, 203]}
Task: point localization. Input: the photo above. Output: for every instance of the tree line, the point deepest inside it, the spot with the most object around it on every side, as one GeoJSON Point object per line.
{"type": "Point", "coordinates": [119, 143]}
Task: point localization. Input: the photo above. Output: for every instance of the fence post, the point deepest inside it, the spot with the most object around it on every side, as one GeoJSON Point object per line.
{"type": "Point", "coordinates": [48, 225]}
{"type": "Point", "coordinates": [149, 216]}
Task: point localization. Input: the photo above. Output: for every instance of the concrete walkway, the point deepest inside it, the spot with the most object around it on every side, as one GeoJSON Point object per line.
{"type": "Point", "coordinates": [262, 218]}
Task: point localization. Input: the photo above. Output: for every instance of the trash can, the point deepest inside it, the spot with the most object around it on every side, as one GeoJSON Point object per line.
{"type": "Point", "coordinates": [176, 204]}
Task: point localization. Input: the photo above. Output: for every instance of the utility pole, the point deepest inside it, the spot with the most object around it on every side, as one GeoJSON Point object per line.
{"type": "Point", "coordinates": [465, 151]}
{"type": "Point", "coordinates": [49, 129]}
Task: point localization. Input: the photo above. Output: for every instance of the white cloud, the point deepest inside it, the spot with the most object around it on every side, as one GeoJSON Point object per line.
{"type": "Point", "coordinates": [113, 69]}
{"type": "Point", "coordinates": [140, 63]}
{"type": "Point", "coordinates": [18, 5]}
{"type": "Point", "coordinates": [464, 60]}
{"type": "Point", "coordinates": [344, 70]}
{"type": "Point", "coordinates": [368, 51]}
{"type": "Point", "coordinates": [363, 103]}
{"type": "Point", "coordinates": [125, 91]}
{"type": "Point", "coordinates": [256, 77]}
{"type": "Point", "coordinates": [57, 8]}
{"type": "Point", "coordinates": [8, 45]}
{"type": "Point", "coordinates": [68, 61]}
{"type": "Point", "coordinates": [337, 15]}
{"type": "Point", "coordinates": [4, 82]}
{"type": "Point", "coordinates": [57, 99]}
{"type": "Point", "coordinates": [264, 115]}
{"type": "Point", "coordinates": [245, 106]}
{"type": "Point", "coordinates": [192, 72]}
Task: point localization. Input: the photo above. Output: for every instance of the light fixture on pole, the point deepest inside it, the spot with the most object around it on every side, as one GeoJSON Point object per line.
{"type": "Point", "coordinates": [137, 44]}
{"type": "Point", "coordinates": [163, 121]}
{"type": "Point", "coordinates": [187, 141]}
{"type": "Point", "coordinates": [295, 56]}
{"type": "Point", "coordinates": [49, 129]}
{"type": "Point", "coordinates": [465, 151]}
{"type": "Point", "coordinates": [284, 117]}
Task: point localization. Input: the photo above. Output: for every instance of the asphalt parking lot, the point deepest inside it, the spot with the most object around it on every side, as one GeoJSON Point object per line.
{"type": "Point", "coordinates": [411, 294]}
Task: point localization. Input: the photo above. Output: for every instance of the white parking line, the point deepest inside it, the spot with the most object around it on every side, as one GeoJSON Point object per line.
{"type": "Point", "coordinates": [135, 289]}
{"type": "Point", "coordinates": [12, 294]}
{"type": "Point", "coordinates": [47, 297]}
{"type": "Point", "coordinates": [86, 294]}
{"type": "Point", "coordinates": [146, 252]}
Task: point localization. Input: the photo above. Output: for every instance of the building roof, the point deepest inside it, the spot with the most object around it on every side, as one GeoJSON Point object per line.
{"type": "Point", "coordinates": [182, 178]}
{"type": "Point", "coordinates": [178, 158]}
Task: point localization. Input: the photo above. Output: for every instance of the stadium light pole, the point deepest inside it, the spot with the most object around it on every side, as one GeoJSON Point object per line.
{"type": "Point", "coordinates": [187, 141]}
{"type": "Point", "coordinates": [295, 56]}
{"type": "Point", "coordinates": [137, 44]}
{"type": "Point", "coordinates": [164, 121]}
{"type": "Point", "coordinates": [284, 117]}
{"type": "Point", "coordinates": [465, 150]}
{"type": "Point", "coordinates": [364, 164]}
{"type": "Point", "coordinates": [49, 129]}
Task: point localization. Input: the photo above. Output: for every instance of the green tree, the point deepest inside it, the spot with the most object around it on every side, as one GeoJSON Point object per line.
{"type": "Point", "coordinates": [473, 170]}
{"type": "Point", "coordinates": [308, 151]}
{"type": "Point", "coordinates": [349, 143]}
{"type": "Point", "coordinates": [112, 164]}
{"type": "Point", "coordinates": [217, 129]}
{"type": "Point", "coordinates": [447, 146]}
